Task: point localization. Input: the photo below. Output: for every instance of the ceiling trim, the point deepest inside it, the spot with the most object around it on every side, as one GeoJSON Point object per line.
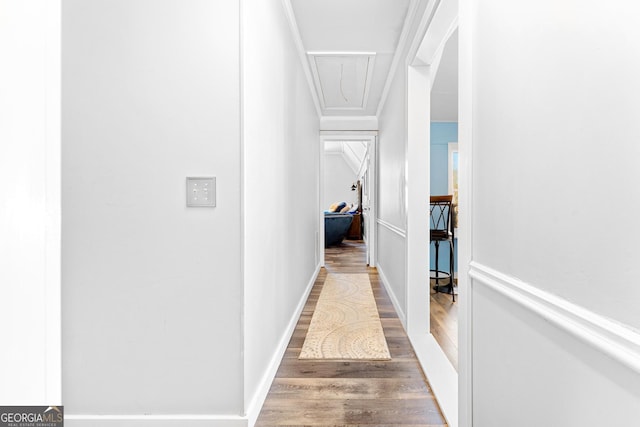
{"type": "Point", "coordinates": [398, 55]}
{"type": "Point", "coordinates": [365, 98]}
{"type": "Point", "coordinates": [297, 41]}
{"type": "Point", "coordinates": [354, 123]}
{"type": "Point", "coordinates": [348, 135]}
{"type": "Point", "coordinates": [313, 65]}
{"type": "Point", "coordinates": [441, 27]}
{"type": "Point", "coordinates": [340, 53]}
{"type": "Point", "coordinates": [424, 25]}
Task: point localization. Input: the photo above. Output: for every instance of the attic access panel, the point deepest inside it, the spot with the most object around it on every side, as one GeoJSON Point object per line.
{"type": "Point", "coordinates": [342, 79]}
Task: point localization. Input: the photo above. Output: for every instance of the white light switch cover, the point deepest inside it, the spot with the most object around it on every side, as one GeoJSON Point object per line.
{"type": "Point", "coordinates": [201, 192]}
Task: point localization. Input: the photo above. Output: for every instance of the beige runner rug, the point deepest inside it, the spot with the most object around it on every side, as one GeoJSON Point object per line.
{"type": "Point", "coordinates": [345, 323]}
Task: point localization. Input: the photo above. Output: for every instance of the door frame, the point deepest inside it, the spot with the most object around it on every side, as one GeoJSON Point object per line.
{"type": "Point", "coordinates": [370, 137]}
{"type": "Point", "coordinates": [452, 389]}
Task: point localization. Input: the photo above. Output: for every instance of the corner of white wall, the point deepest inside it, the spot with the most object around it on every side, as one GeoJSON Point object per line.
{"type": "Point", "coordinates": [260, 395]}
{"type": "Point", "coordinates": [30, 202]}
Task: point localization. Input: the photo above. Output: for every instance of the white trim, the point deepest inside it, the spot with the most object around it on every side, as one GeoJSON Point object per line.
{"type": "Point", "coordinates": [178, 420]}
{"type": "Point", "coordinates": [441, 375]}
{"type": "Point", "coordinates": [421, 32]}
{"type": "Point", "coordinates": [392, 296]}
{"type": "Point", "coordinates": [617, 341]}
{"type": "Point", "coordinates": [399, 231]}
{"type": "Point", "coordinates": [348, 123]}
{"type": "Point", "coordinates": [441, 26]}
{"type": "Point", "coordinates": [320, 238]}
{"type": "Point", "coordinates": [53, 225]}
{"type": "Point", "coordinates": [241, 178]}
{"type": "Point", "coordinates": [417, 189]}
{"type": "Point", "coordinates": [371, 59]}
{"type": "Point", "coordinates": [452, 147]}
{"type": "Point", "coordinates": [367, 88]}
{"type": "Point", "coordinates": [255, 406]}
{"type": "Point", "coordinates": [341, 53]}
{"type": "Point", "coordinates": [297, 41]}
{"type": "Point", "coordinates": [346, 136]}
{"type": "Point", "coordinates": [465, 198]}
{"type": "Point", "coordinates": [372, 170]}
{"type": "Point", "coordinates": [434, 29]}
{"type": "Point", "coordinates": [395, 62]}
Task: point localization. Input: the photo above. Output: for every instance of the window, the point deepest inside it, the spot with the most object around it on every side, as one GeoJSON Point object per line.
{"type": "Point", "coordinates": [453, 179]}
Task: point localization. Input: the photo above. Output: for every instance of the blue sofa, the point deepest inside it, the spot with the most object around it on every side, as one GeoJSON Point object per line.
{"type": "Point", "coordinates": [336, 226]}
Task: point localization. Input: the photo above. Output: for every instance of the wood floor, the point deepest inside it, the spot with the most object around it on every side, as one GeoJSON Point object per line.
{"type": "Point", "coordinates": [351, 393]}
{"type": "Point", "coordinates": [444, 324]}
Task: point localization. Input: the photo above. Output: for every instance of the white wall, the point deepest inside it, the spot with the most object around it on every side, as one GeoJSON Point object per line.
{"type": "Point", "coordinates": [338, 178]}
{"type": "Point", "coordinates": [281, 170]}
{"type": "Point", "coordinates": [152, 289]}
{"type": "Point", "coordinates": [391, 192]}
{"type": "Point", "coordinates": [348, 123]}
{"type": "Point", "coordinates": [556, 88]}
{"type": "Point", "coordinates": [30, 202]}
{"type": "Point", "coordinates": [392, 162]}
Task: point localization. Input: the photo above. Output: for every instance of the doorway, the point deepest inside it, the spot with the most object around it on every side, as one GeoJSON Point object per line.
{"type": "Point", "coordinates": [422, 72]}
{"type": "Point", "coordinates": [444, 168]}
{"type": "Point", "coordinates": [348, 179]}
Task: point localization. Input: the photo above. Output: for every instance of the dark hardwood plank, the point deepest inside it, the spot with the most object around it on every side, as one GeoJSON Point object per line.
{"type": "Point", "coordinates": [351, 393]}
{"type": "Point", "coordinates": [352, 411]}
{"type": "Point", "coordinates": [349, 388]}
{"type": "Point", "coordinates": [444, 324]}
{"type": "Point", "coordinates": [293, 368]}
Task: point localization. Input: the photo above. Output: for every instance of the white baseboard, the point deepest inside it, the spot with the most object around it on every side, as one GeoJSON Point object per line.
{"type": "Point", "coordinates": [392, 296]}
{"type": "Point", "coordinates": [441, 375]}
{"type": "Point", "coordinates": [185, 420]}
{"type": "Point", "coordinates": [154, 421]}
{"type": "Point", "coordinates": [619, 342]}
{"type": "Point", "coordinates": [253, 410]}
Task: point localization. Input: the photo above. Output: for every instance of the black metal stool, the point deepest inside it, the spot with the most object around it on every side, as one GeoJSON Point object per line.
{"type": "Point", "coordinates": [441, 230]}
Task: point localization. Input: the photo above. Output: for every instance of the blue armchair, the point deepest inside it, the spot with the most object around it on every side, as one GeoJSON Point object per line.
{"type": "Point", "coordinates": [336, 226]}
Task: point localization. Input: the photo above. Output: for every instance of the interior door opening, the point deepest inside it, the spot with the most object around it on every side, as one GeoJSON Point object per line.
{"type": "Point", "coordinates": [443, 183]}
{"type": "Point", "coordinates": [347, 193]}
{"type": "Point", "coordinates": [424, 93]}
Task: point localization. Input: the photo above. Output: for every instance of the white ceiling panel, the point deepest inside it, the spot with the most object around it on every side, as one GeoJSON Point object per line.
{"type": "Point", "coordinates": [343, 79]}
{"type": "Point", "coordinates": [351, 25]}
{"type": "Point", "coordinates": [366, 33]}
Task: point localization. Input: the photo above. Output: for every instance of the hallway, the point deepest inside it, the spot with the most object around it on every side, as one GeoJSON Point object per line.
{"type": "Point", "coordinates": [307, 392]}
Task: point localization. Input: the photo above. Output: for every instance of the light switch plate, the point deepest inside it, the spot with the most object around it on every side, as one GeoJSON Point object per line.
{"type": "Point", "coordinates": [201, 192]}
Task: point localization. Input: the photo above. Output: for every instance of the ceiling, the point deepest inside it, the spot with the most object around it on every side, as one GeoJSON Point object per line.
{"type": "Point", "coordinates": [353, 152]}
{"type": "Point", "coordinates": [444, 92]}
{"type": "Point", "coordinates": [350, 45]}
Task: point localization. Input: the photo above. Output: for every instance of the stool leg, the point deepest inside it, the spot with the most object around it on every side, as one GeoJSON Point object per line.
{"type": "Point", "coordinates": [437, 244]}
{"type": "Point", "coordinates": [451, 268]}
